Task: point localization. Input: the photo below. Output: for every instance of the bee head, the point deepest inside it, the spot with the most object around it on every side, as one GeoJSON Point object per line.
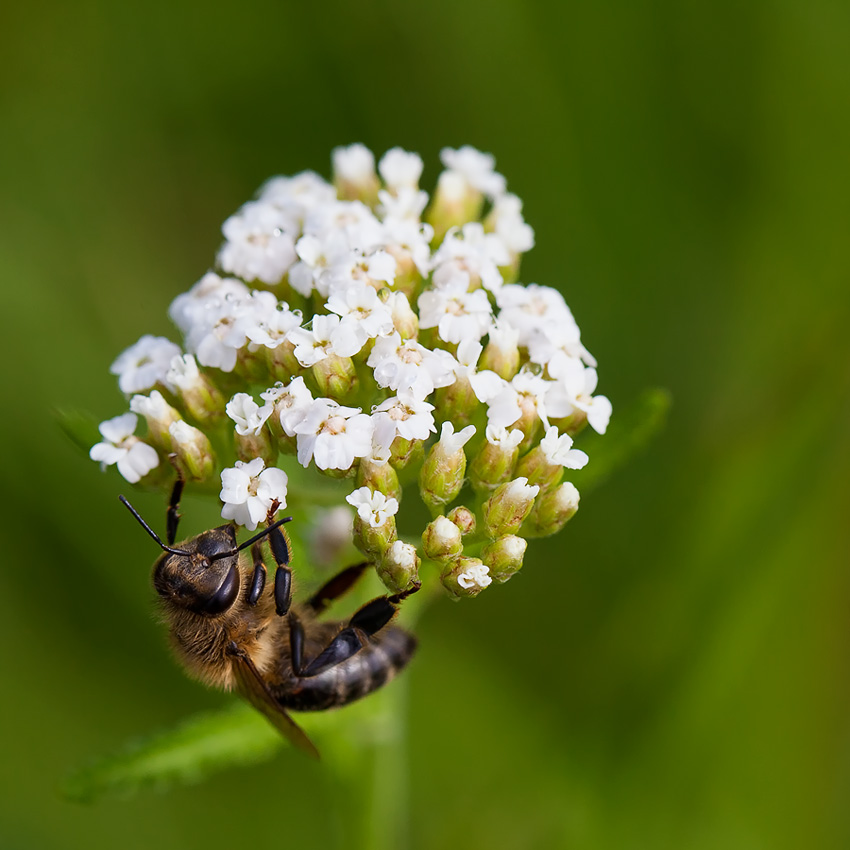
{"type": "Point", "coordinates": [203, 575]}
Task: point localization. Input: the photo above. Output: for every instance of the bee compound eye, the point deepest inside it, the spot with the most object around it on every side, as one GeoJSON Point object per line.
{"type": "Point", "coordinates": [225, 596]}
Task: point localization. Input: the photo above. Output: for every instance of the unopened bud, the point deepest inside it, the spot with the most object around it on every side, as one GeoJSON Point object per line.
{"type": "Point", "coordinates": [405, 320]}
{"type": "Point", "coordinates": [377, 476]}
{"type": "Point", "coordinates": [538, 470]}
{"type": "Point", "coordinates": [374, 525]}
{"type": "Point", "coordinates": [193, 450]}
{"type": "Point", "coordinates": [504, 556]}
{"type": "Point", "coordinates": [398, 569]}
{"type": "Point", "coordinates": [443, 471]}
{"type": "Point", "coordinates": [354, 174]}
{"type": "Point", "coordinates": [405, 452]}
{"type": "Point", "coordinates": [408, 278]}
{"type": "Point", "coordinates": [249, 446]}
{"type": "Point", "coordinates": [463, 518]}
{"type": "Point", "coordinates": [455, 202]}
{"type": "Point", "coordinates": [552, 511]}
{"type": "Point", "coordinates": [457, 401]}
{"type": "Point", "coordinates": [441, 540]}
{"type": "Point", "coordinates": [466, 577]}
{"type": "Point", "coordinates": [159, 415]}
{"type": "Point", "coordinates": [282, 361]}
{"type": "Point", "coordinates": [501, 354]}
{"type": "Point", "coordinates": [200, 396]}
{"type": "Point", "coordinates": [572, 424]}
{"type": "Point", "coordinates": [336, 377]}
{"type": "Point", "coordinates": [506, 510]}
{"type": "Point", "coordinates": [494, 464]}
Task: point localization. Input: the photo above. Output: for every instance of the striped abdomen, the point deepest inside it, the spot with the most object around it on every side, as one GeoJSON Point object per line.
{"type": "Point", "coordinates": [373, 666]}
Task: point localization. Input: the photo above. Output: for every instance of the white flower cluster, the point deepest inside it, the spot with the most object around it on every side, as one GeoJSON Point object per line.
{"type": "Point", "coordinates": [363, 314]}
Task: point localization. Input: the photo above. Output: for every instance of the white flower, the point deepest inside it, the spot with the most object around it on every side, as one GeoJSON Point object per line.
{"type": "Point", "coordinates": [410, 366]}
{"type": "Point", "coordinates": [353, 164]}
{"type": "Point", "coordinates": [315, 344]}
{"type": "Point", "coordinates": [135, 459]}
{"type": "Point", "coordinates": [457, 313]}
{"type": "Point", "coordinates": [400, 169]}
{"type": "Point", "coordinates": [156, 410]}
{"type": "Point", "coordinates": [404, 416]}
{"type": "Point", "coordinates": [291, 403]}
{"type": "Point", "coordinates": [558, 450]}
{"type": "Point", "coordinates": [247, 414]}
{"type": "Point", "coordinates": [144, 364]}
{"type": "Point", "coordinates": [258, 245]}
{"type": "Point", "coordinates": [477, 575]}
{"type": "Point", "coordinates": [249, 491]}
{"type": "Point", "coordinates": [372, 507]}
{"type": "Point", "coordinates": [270, 327]}
{"type": "Point", "coordinates": [333, 435]}
{"type": "Point", "coordinates": [477, 169]}
{"type": "Point", "coordinates": [525, 393]}
{"type": "Point", "coordinates": [473, 251]}
{"type": "Point", "coordinates": [183, 373]}
{"type": "Point", "coordinates": [502, 438]}
{"type": "Point", "coordinates": [510, 226]}
{"type": "Point", "coordinates": [573, 389]}
{"type": "Point", "coordinates": [452, 442]}
{"type": "Point", "coordinates": [190, 308]}
{"type": "Point", "coordinates": [364, 317]}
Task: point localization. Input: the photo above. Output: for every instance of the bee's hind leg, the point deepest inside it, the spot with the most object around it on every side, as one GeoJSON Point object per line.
{"type": "Point", "coordinates": [340, 584]}
{"type": "Point", "coordinates": [365, 622]}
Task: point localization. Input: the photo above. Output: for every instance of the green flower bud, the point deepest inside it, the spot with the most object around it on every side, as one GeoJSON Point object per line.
{"type": "Point", "coordinates": [494, 464]}
{"type": "Point", "coordinates": [398, 569]}
{"type": "Point", "coordinates": [536, 468]}
{"type": "Point", "coordinates": [501, 354]}
{"type": "Point", "coordinates": [405, 453]}
{"type": "Point", "coordinates": [380, 477]}
{"type": "Point", "coordinates": [282, 362]}
{"type": "Point", "coordinates": [441, 540]}
{"type": "Point", "coordinates": [194, 452]}
{"type": "Point", "coordinates": [249, 446]}
{"type": "Point", "coordinates": [200, 397]}
{"type": "Point", "coordinates": [552, 511]}
{"type": "Point", "coordinates": [572, 424]}
{"type": "Point", "coordinates": [405, 320]}
{"type": "Point", "coordinates": [159, 415]}
{"type": "Point", "coordinates": [336, 377]}
{"type": "Point", "coordinates": [504, 556]}
{"type": "Point", "coordinates": [465, 577]}
{"type": "Point", "coordinates": [354, 174]}
{"type": "Point", "coordinates": [454, 203]}
{"type": "Point", "coordinates": [457, 402]}
{"type": "Point", "coordinates": [372, 541]}
{"type": "Point", "coordinates": [407, 277]}
{"type": "Point", "coordinates": [463, 518]}
{"type": "Point", "coordinates": [506, 510]}
{"type": "Point", "coordinates": [443, 471]}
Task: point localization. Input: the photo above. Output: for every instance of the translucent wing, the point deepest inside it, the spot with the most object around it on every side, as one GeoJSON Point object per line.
{"type": "Point", "coordinates": [252, 687]}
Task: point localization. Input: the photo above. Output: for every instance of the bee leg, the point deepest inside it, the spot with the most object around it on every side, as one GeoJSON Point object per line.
{"type": "Point", "coordinates": [258, 578]}
{"type": "Point", "coordinates": [336, 587]}
{"type": "Point", "coordinates": [279, 544]}
{"type": "Point", "coordinates": [365, 622]}
{"type": "Point", "coordinates": [172, 517]}
{"type": "Point", "coordinates": [296, 644]}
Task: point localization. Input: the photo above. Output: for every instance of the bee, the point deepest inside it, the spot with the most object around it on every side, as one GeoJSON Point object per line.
{"type": "Point", "coordinates": [230, 631]}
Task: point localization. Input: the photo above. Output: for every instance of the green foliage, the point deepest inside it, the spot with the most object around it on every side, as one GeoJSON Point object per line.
{"type": "Point", "coordinates": [188, 753]}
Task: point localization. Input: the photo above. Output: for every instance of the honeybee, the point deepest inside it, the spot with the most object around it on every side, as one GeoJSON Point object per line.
{"type": "Point", "coordinates": [230, 632]}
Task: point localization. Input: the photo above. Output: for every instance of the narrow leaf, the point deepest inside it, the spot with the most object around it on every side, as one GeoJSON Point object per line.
{"type": "Point", "coordinates": [198, 747]}
{"type": "Point", "coordinates": [629, 433]}
{"type": "Point", "coordinates": [79, 426]}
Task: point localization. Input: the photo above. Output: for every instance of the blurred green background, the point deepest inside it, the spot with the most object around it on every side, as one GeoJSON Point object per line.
{"type": "Point", "coordinates": [674, 671]}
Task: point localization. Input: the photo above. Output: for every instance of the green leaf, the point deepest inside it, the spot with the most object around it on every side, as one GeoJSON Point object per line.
{"type": "Point", "coordinates": [190, 752]}
{"type": "Point", "coordinates": [629, 433]}
{"type": "Point", "coordinates": [80, 426]}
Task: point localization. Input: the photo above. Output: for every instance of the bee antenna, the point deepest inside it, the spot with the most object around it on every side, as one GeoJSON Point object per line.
{"type": "Point", "coordinates": [150, 531]}
{"type": "Point", "coordinates": [248, 542]}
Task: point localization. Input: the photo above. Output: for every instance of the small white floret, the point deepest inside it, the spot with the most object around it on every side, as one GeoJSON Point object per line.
{"type": "Point", "coordinates": [144, 364]}
{"type": "Point", "coordinates": [372, 507]}
{"type": "Point", "coordinates": [249, 491]}
{"type": "Point", "coordinates": [134, 458]}
{"type": "Point", "coordinates": [478, 575]}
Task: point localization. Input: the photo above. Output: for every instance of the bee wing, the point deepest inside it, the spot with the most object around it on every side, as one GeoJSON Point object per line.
{"type": "Point", "coordinates": [252, 687]}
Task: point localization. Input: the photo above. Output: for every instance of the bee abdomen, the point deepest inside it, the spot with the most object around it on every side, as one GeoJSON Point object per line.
{"type": "Point", "coordinates": [373, 666]}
